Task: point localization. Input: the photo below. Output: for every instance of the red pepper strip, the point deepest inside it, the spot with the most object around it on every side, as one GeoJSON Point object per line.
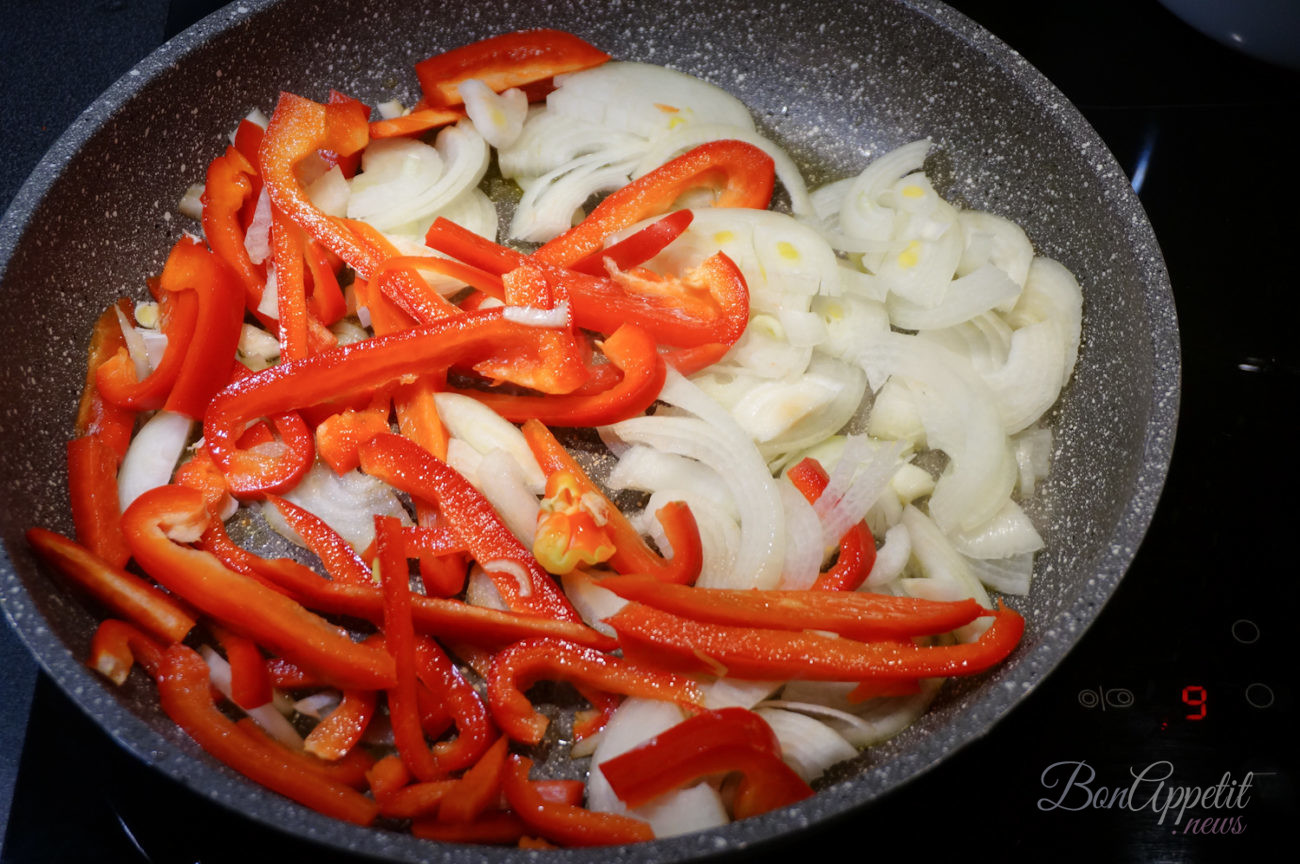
{"type": "Point", "coordinates": [357, 368]}
{"type": "Point", "coordinates": [96, 416]}
{"type": "Point", "coordinates": [325, 301]}
{"type": "Point", "coordinates": [341, 561]}
{"type": "Point", "coordinates": [117, 645]}
{"type": "Point", "coordinates": [248, 139]}
{"type": "Point", "coordinates": [347, 132]}
{"type": "Point", "coordinates": [416, 801]}
{"type": "Point", "coordinates": [857, 553]}
{"type": "Point", "coordinates": [399, 285]}
{"type": "Point", "coordinates": [710, 306]}
{"type": "Point", "coordinates": [217, 542]}
{"type": "Point", "coordinates": [414, 296]}
{"type": "Point", "coordinates": [254, 472]}
{"type": "Point", "coordinates": [348, 771]}
{"type": "Point", "coordinates": [415, 123]}
{"type": "Point", "coordinates": [561, 791]}
{"type": "Point", "coordinates": [768, 655]}
{"type": "Point", "coordinates": [116, 377]}
{"type": "Point", "coordinates": [478, 788]}
{"type": "Point", "coordinates": [518, 667]}
{"type": "Point", "coordinates": [853, 614]}
{"type": "Point", "coordinates": [201, 473]}
{"type": "Point", "coordinates": [290, 676]}
{"type": "Point", "coordinates": [250, 685]}
{"type": "Point", "coordinates": [230, 186]}
{"type": "Point", "coordinates": [243, 604]}
{"type": "Point", "coordinates": [210, 353]}
{"type": "Point", "coordinates": [631, 555]}
{"type": "Point", "coordinates": [637, 249]}
{"type": "Point", "coordinates": [504, 61]}
{"type": "Point", "coordinates": [711, 742]}
{"type": "Point", "coordinates": [490, 828]}
{"type": "Point", "coordinates": [631, 350]}
{"type": "Point", "coordinates": [290, 286]}
{"type": "Point", "coordinates": [337, 734]}
{"type": "Point", "coordinates": [125, 594]}
{"type": "Point", "coordinates": [562, 823]}
{"type": "Point", "coordinates": [474, 729]}
{"type": "Point", "coordinates": [588, 722]}
{"type": "Point", "coordinates": [412, 469]}
{"type": "Point", "coordinates": [92, 493]}
{"type": "Point", "coordinates": [436, 540]}
{"type": "Point", "coordinates": [297, 129]}
{"type": "Point", "coordinates": [741, 175]}
{"type": "Point", "coordinates": [399, 638]}
{"type": "Point", "coordinates": [339, 436]}
{"type": "Point", "coordinates": [186, 697]}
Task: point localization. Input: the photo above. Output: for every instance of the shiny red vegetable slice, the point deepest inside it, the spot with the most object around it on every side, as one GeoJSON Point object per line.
{"type": "Point", "coordinates": [505, 61]}
{"type": "Point", "coordinates": [565, 824]}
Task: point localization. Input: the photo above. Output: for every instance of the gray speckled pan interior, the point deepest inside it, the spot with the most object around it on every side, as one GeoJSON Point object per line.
{"type": "Point", "coordinates": [837, 84]}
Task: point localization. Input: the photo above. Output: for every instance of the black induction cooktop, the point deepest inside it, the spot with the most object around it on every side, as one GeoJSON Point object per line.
{"type": "Point", "coordinates": [1167, 735]}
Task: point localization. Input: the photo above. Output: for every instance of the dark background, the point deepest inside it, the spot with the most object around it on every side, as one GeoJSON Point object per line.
{"type": "Point", "coordinates": [1207, 136]}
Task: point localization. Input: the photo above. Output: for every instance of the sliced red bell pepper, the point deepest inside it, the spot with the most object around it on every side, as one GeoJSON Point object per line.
{"type": "Point", "coordinates": [416, 123]}
{"type": "Point", "coordinates": [250, 685]}
{"type": "Point", "coordinates": [638, 248]}
{"type": "Point", "coordinates": [116, 377]}
{"type": "Point", "coordinates": [298, 128]}
{"type": "Point", "coordinates": [631, 554]}
{"type": "Point", "coordinates": [242, 604]}
{"type": "Point", "coordinates": [92, 493]}
{"type": "Point", "coordinates": [341, 731]}
{"type": "Point", "coordinates": [709, 305]}
{"type": "Point", "coordinates": [290, 286]}
{"type": "Point", "coordinates": [479, 788]}
{"type": "Point", "coordinates": [565, 824]}
{"type": "Point", "coordinates": [408, 467]}
{"type": "Point", "coordinates": [347, 132]}
{"type": "Point", "coordinates": [186, 697]}
{"type": "Point", "coordinates": [111, 423]}
{"type": "Point", "coordinates": [853, 614]}
{"type": "Point", "coordinates": [518, 667]}
{"type": "Point", "coordinates": [341, 561]}
{"type": "Point", "coordinates": [125, 593]}
{"type": "Point", "coordinates": [740, 174]}
{"type": "Point", "coordinates": [399, 639]}
{"type": "Point", "coordinates": [248, 139]}
{"type": "Point", "coordinates": [711, 742]}
{"type": "Point", "coordinates": [117, 646]}
{"type": "Point", "coordinates": [630, 350]}
{"type": "Point", "coordinates": [201, 473]}
{"type": "Point", "coordinates": [325, 300]}
{"type": "Point", "coordinates": [494, 828]}
{"type": "Point", "coordinates": [340, 435]}
{"type": "Point", "coordinates": [588, 722]}
{"type": "Point", "coordinates": [857, 554]}
{"type": "Point", "coordinates": [505, 61]}
{"type": "Point", "coordinates": [659, 637]}
{"type": "Point", "coordinates": [231, 183]}
{"type": "Point", "coordinates": [475, 730]}
{"type": "Point", "coordinates": [348, 771]}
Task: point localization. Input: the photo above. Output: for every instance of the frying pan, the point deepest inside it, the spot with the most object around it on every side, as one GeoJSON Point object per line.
{"type": "Point", "coordinates": [836, 84]}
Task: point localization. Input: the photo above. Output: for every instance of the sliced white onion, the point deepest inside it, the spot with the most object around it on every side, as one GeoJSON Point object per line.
{"type": "Point", "coordinates": [1008, 533]}
{"type": "Point", "coordinates": [347, 503]}
{"type": "Point", "coordinates": [330, 192]}
{"type": "Point", "coordinates": [1052, 294]}
{"type": "Point", "coordinates": [549, 203]}
{"type": "Point", "coordinates": [731, 692]}
{"type": "Point", "coordinates": [506, 488]}
{"type": "Point", "coordinates": [963, 299]}
{"type": "Point", "coordinates": [485, 430]}
{"type": "Point", "coordinates": [152, 455]}
{"type": "Point", "coordinates": [991, 239]}
{"type": "Point", "coordinates": [807, 745]}
{"type": "Point", "coordinates": [530, 316]}
{"type": "Point", "coordinates": [804, 548]}
{"type": "Point", "coordinates": [591, 601]}
{"type": "Point", "coordinates": [498, 117]}
{"type": "Point", "coordinates": [405, 193]}
{"type": "Point", "coordinates": [861, 211]}
{"type": "Point", "coordinates": [891, 558]}
{"type": "Point", "coordinates": [947, 576]}
{"type": "Point", "coordinates": [859, 477]}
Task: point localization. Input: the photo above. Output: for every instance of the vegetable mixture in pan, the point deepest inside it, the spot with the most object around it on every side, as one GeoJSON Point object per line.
{"type": "Point", "coordinates": [737, 476]}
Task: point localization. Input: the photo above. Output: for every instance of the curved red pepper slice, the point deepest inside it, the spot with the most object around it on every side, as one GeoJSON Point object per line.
{"type": "Point", "coordinates": [299, 128]}
{"type": "Point", "coordinates": [638, 248]}
{"type": "Point", "coordinates": [740, 174]}
{"type": "Point", "coordinates": [518, 667]}
{"type": "Point", "coordinates": [710, 306]}
{"type": "Point", "coordinates": [116, 377]}
{"type": "Point", "coordinates": [92, 494]}
{"type": "Point", "coordinates": [117, 646]}
{"type": "Point", "coordinates": [505, 61]}
{"type": "Point", "coordinates": [337, 734]}
{"type": "Point", "coordinates": [711, 742]}
{"type": "Point", "coordinates": [630, 350]}
{"type": "Point", "coordinates": [96, 416]}
{"type": "Point", "coordinates": [479, 788]}
{"type": "Point", "coordinates": [853, 614]}
{"type": "Point", "coordinates": [242, 604]}
{"type": "Point", "coordinates": [563, 823]}
{"type": "Point", "coordinates": [857, 552]}
{"type": "Point", "coordinates": [250, 683]}
{"type": "Point", "coordinates": [229, 186]}
{"type": "Point", "coordinates": [186, 697]}
{"type": "Point", "coordinates": [125, 593]}
{"type": "Point", "coordinates": [415, 123]}
{"type": "Point", "coordinates": [412, 469]}
{"type": "Point", "coordinates": [771, 655]}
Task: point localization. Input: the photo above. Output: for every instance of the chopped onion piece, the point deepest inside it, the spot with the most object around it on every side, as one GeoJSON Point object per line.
{"type": "Point", "coordinates": [271, 720]}
{"type": "Point", "coordinates": [152, 455]}
{"type": "Point", "coordinates": [807, 745]}
{"type": "Point", "coordinates": [498, 117]}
